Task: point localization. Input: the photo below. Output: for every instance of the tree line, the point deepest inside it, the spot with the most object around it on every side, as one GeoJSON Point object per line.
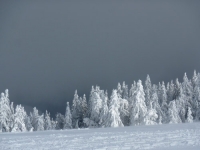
{"type": "Point", "coordinates": [148, 104]}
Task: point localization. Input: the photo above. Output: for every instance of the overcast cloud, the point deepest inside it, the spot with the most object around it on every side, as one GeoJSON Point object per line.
{"type": "Point", "coordinates": [50, 48]}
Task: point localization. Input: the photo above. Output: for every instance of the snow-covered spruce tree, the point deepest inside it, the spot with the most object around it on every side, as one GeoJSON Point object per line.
{"type": "Point", "coordinates": [6, 113]}
{"type": "Point", "coordinates": [155, 104]}
{"type": "Point", "coordinates": [125, 91]}
{"type": "Point", "coordinates": [28, 124]}
{"type": "Point", "coordinates": [76, 109]}
{"type": "Point", "coordinates": [84, 106]}
{"type": "Point", "coordinates": [181, 105]}
{"type": "Point", "coordinates": [147, 91]}
{"type": "Point", "coordinates": [95, 105]}
{"type": "Point", "coordinates": [139, 110]}
{"type": "Point", "coordinates": [113, 119]}
{"type": "Point", "coordinates": [53, 124]}
{"type": "Point", "coordinates": [151, 116]}
{"type": "Point", "coordinates": [104, 111]}
{"type": "Point", "coordinates": [131, 99]}
{"type": "Point", "coordinates": [170, 91]}
{"type": "Point", "coordinates": [68, 118]}
{"type": "Point", "coordinates": [163, 100]}
{"type": "Point", "coordinates": [124, 111]}
{"type": "Point", "coordinates": [177, 87]}
{"type": "Point", "coordinates": [187, 91]}
{"type": "Point", "coordinates": [60, 119]}
{"type": "Point", "coordinates": [123, 105]}
{"type": "Point", "coordinates": [197, 99]}
{"type": "Point", "coordinates": [194, 79]}
{"type": "Point", "coordinates": [47, 121]}
{"type": "Point", "coordinates": [37, 120]}
{"type": "Point", "coordinates": [19, 120]}
{"type": "Point", "coordinates": [189, 115]}
{"type": "Point", "coordinates": [40, 125]}
{"type": "Point", "coordinates": [119, 89]}
{"type": "Point", "coordinates": [173, 116]}
{"type": "Point", "coordinates": [34, 118]}
{"type": "Point", "coordinates": [196, 96]}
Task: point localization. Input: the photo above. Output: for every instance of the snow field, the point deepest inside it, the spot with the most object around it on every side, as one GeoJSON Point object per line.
{"type": "Point", "coordinates": [169, 136]}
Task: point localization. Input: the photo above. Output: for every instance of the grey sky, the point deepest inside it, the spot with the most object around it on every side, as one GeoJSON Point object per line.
{"type": "Point", "coordinates": [50, 48]}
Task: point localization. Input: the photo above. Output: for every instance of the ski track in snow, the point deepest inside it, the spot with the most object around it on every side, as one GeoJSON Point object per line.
{"type": "Point", "coordinates": [171, 136]}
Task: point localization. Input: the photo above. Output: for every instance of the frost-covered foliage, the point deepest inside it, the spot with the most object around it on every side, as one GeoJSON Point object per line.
{"type": "Point", "coordinates": [60, 119]}
{"type": "Point", "coordinates": [113, 119]}
{"type": "Point", "coordinates": [175, 102]}
{"type": "Point", "coordinates": [139, 109]}
{"type": "Point", "coordinates": [189, 115]}
{"type": "Point", "coordinates": [95, 104]}
{"type": "Point", "coordinates": [19, 119]}
{"type": "Point", "coordinates": [6, 113]}
{"type": "Point", "coordinates": [68, 118]}
{"type": "Point", "coordinates": [151, 116]}
{"type": "Point", "coordinates": [173, 116]}
{"type": "Point", "coordinates": [37, 120]}
{"type": "Point", "coordinates": [47, 121]}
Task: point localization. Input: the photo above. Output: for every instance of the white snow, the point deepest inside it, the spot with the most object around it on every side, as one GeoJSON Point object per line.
{"type": "Point", "coordinates": [170, 136]}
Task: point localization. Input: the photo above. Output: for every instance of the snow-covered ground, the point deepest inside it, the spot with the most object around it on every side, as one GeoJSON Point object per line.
{"type": "Point", "coordinates": [170, 136]}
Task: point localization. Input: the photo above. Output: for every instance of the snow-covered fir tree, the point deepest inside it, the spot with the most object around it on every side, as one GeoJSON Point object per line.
{"type": "Point", "coordinates": [139, 109]}
{"type": "Point", "coordinates": [189, 115]}
{"type": "Point", "coordinates": [170, 91]}
{"type": "Point", "coordinates": [84, 106]}
{"type": "Point", "coordinates": [113, 119]}
{"type": "Point", "coordinates": [163, 102]}
{"type": "Point", "coordinates": [151, 116]}
{"type": "Point", "coordinates": [156, 105]}
{"type": "Point", "coordinates": [104, 111]}
{"type": "Point", "coordinates": [19, 119]}
{"type": "Point", "coordinates": [95, 105]}
{"type": "Point", "coordinates": [47, 121]}
{"type": "Point", "coordinates": [68, 118]}
{"type": "Point", "coordinates": [181, 105]}
{"type": "Point", "coordinates": [28, 124]}
{"type": "Point", "coordinates": [37, 120]}
{"type": "Point", "coordinates": [6, 113]}
{"type": "Point", "coordinates": [60, 119]}
{"type": "Point", "coordinates": [124, 91]}
{"type": "Point", "coordinates": [173, 116]}
{"type": "Point", "coordinates": [147, 91]}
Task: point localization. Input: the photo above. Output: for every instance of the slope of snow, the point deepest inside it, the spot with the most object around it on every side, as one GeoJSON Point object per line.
{"type": "Point", "coordinates": [170, 136]}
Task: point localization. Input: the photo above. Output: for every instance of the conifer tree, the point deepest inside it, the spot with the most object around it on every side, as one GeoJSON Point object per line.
{"type": "Point", "coordinates": [173, 116]}
{"type": "Point", "coordinates": [68, 118]}
{"type": "Point", "coordinates": [104, 111]}
{"type": "Point", "coordinates": [189, 115]}
{"type": "Point", "coordinates": [147, 91]}
{"type": "Point", "coordinates": [37, 120]}
{"type": "Point", "coordinates": [19, 120]}
{"type": "Point", "coordinates": [181, 105]}
{"type": "Point", "coordinates": [151, 116]}
{"type": "Point", "coordinates": [124, 91]}
{"type": "Point", "coordinates": [6, 114]}
{"type": "Point", "coordinates": [47, 121]}
{"type": "Point", "coordinates": [28, 124]}
{"type": "Point", "coordinates": [84, 106]}
{"type": "Point", "coordinates": [95, 105]}
{"type": "Point", "coordinates": [75, 109]}
{"type": "Point", "coordinates": [170, 92]}
{"type": "Point", "coordinates": [139, 110]}
{"type": "Point", "coordinates": [60, 119]}
{"type": "Point", "coordinates": [113, 119]}
{"type": "Point", "coordinates": [156, 105]}
{"type": "Point", "coordinates": [164, 106]}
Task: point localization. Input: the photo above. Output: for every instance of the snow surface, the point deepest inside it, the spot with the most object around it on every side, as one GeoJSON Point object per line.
{"type": "Point", "coordinates": [170, 136]}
